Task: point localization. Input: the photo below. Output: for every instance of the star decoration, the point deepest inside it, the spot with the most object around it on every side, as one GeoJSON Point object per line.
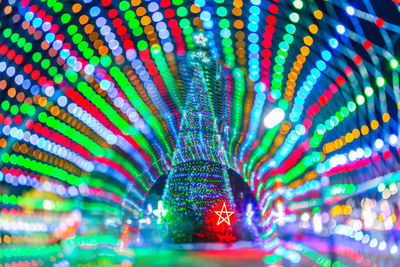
{"type": "Point", "coordinates": [160, 212]}
{"type": "Point", "coordinates": [223, 218]}
{"type": "Point", "coordinates": [200, 39]}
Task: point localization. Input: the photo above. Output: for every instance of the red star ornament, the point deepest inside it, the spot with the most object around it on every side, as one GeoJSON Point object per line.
{"type": "Point", "coordinates": [224, 215]}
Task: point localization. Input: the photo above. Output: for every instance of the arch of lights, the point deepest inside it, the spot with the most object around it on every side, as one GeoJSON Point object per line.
{"type": "Point", "coordinates": [100, 98]}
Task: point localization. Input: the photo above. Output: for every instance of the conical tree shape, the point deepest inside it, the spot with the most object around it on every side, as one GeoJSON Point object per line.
{"type": "Point", "coordinates": [199, 179]}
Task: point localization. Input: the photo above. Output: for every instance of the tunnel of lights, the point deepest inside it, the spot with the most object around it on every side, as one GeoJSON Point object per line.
{"type": "Point", "coordinates": [205, 124]}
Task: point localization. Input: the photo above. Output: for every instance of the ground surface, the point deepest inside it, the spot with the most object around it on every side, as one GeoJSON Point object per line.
{"type": "Point", "coordinates": [223, 258]}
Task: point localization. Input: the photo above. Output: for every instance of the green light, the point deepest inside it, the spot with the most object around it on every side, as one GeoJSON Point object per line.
{"type": "Point", "coordinates": [58, 78]}
{"type": "Point", "coordinates": [58, 7]}
{"type": "Point", "coordinates": [344, 111]}
{"type": "Point", "coordinates": [339, 116]}
{"type": "Point", "coordinates": [65, 18]}
{"type": "Point", "coordinates": [283, 104]}
{"type": "Point", "coordinates": [42, 117]}
{"type": "Point", "coordinates": [184, 23]}
{"type": "Point", "coordinates": [24, 108]}
{"type": "Point", "coordinates": [314, 142]}
{"type": "Point", "coordinates": [77, 38]}
{"type": "Point", "coordinates": [21, 42]}
{"type": "Point", "coordinates": [288, 38]}
{"type": "Point", "coordinates": [72, 29]}
{"type": "Point", "coordinates": [321, 129]}
{"type": "Point", "coordinates": [226, 42]}
{"type": "Point", "coordinates": [124, 5]}
{"type": "Point", "coordinates": [14, 109]}
{"type": "Point", "coordinates": [381, 187]}
{"type": "Point", "coordinates": [380, 81]}
{"type": "Point", "coordinates": [45, 64]}
{"type": "Point", "coordinates": [5, 105]}
{"type": "Point", "coordinates": [7, 32]}
{"type": "Point", "coordinates": [394, 63]}
{"type": "Point", "coordinates": [14, 37]}
{"type": "Point", "coordinates": [221, 11]}
{"type": "Point", "coordinates": [28, 47]}
{"type": "Point", "coordinates": [360, 100]}
{"type": "Point", "coordinates": [105, 61]}
{"type": "Point", "coordinates": [294, 17]}
{"type": "Point", "coordinates": [224, 23]}
{"type": "Point", "coordinates": [129, 16]}
{"type": "Point", "coordinates": [351, 106]}
{"type": "Point", "coordinates": [368, 91]}
{"type": "Point", "coordinates": [275, 94]}
{"type": "Point", "coordinates": [298, 4]}
{"type": "Point", "coordinates": [181, 11]}
{"type": "Point", "coordinates": [37, 57]}
{"type": "Point", "coordinates": [52, 71]}
{"type": "Point", "coordinates": [290, 28]}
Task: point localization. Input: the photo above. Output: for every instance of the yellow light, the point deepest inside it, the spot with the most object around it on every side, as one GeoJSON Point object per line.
{"type": "Point", "coordinates": [385, 117]}
{"type": "Point", "coordinates": [318, 14]}
{"type": "Point", "coordinates": [313, 28]}
{"type": "Point", "coordinates": [308, 40]}
{"type": "Point", "coordinates": [305, 51]}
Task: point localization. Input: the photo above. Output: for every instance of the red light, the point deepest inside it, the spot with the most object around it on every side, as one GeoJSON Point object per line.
{"type": "Point", "coordinates": [112, 14]}
{"type": "Point", "coordinates": [348, 71]}
{"type": "Point", "coordinates": [106, 2]}
{"type": "Point", "coordinates": [379, 22]}
{"type": "Point", "coordinates": [24, 3]}
{"type": "Point", "coordinates": [271, 20]}
{"type": "Point", "coordinates": [273, 9]}
{"type": "Point", "coordinates": [224, 215]}
{"type": "Point", "coordinates": [387, 154]}
{"type": "Point", "coordinates": [367, 45]}
{"type": "Point", "coordinates": [357, 59]}
{"type": "Point", "coordinates": [18, 119]}
{"type": "Point", "coordinates": [40, 14]}
{"type": "Point", "coordinates": [323, 100]}
{"type": "Point", "coordinates": [340, 80]}
{"type": "Point", "coordinates": [169, 13]}
{"type": "Point", "coordinates": [165, 3]}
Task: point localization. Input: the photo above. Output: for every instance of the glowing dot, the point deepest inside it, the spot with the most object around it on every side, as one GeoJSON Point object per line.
{"type": "Point", "coordinates": [333, 43]}
{"type": "Point", "coordinates": [350, 10]}
{"type": "Point", "coordinates": [298, 4]}
{"type": "Point", "coordinates": [274, 118]}
{"type": "Point", "coordinates": [368, 91]}
{"type": "Point", "coordinates": [393, 139]}
{"type": "Point", "coordinates": [340, 29]}
{"type": "Point", "coordinates": [378, 144]}
{"type": "Point", "coordinates": [394, 63]}
{"type": "Point", "coordinates": [294, 17]}
{"type": "Point", "coordinates": [380, 81]}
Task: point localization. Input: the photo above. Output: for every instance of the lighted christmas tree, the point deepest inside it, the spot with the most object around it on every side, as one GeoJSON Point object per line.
{"type": "Point", "coordinates": [198, 180]}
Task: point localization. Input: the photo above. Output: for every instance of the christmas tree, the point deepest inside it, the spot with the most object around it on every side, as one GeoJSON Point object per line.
{"type": "Point", "coordinates": [198, 180]}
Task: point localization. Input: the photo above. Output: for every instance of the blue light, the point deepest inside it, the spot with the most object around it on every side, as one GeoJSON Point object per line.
{"type": "Point", "coordinates": [321, 65]}
{"type": "Point", "coordinates": [205, 15]}
{"type": "Point", "coordinates": [350, 10]}
{"type": "Point", "coordinates": [340, 29]}
{"type": "Point", "coordinates": [326, 55]}
{"type": "Point", "coordinates": [254, 10]}
{"type": "Point", "coordinates": [200, 3]}
{"type": "Point", "coordinates": [28, 16]}
{"type": "Point", "coordinates": [94, 11]}
{"type": "Point", "coordinates": [253, 38]}
{"type": "Point", "coordinates": [37, 22]}
{"type": "Point", "coordinates": [333, 43]}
